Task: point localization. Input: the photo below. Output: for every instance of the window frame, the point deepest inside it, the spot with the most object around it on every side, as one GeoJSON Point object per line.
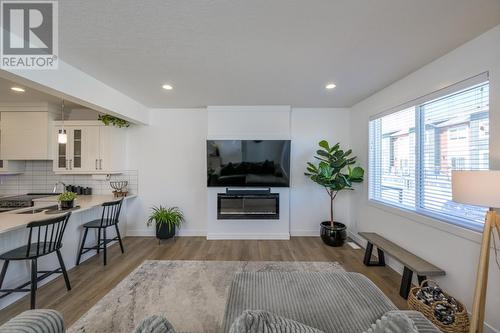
{"type": "Point", "coordinates": [419, 154]}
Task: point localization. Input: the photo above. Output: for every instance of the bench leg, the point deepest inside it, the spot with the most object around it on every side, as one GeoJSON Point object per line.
{"type": "Point", "coordinates": [368, 255]}
{"type": "Point", "coordinates": [404, 290]}
{"type": "Point", "coordinates": [421, 278]}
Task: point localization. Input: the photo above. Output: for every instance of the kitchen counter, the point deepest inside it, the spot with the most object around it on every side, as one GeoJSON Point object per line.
{"type": "Point", "coordinates": [13, 234]}
{"type": "Point", "coordinates": [11, 220]}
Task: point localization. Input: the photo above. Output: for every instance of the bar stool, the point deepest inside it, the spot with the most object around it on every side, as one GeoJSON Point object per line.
{"type": "Point", "coordinates": [45, 237]}
{"type": "Point", "coordinates": [109, 218]}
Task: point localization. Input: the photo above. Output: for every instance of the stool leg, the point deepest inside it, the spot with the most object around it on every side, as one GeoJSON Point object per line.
{"type": "Point", "coordinates": [4, 271]}
{"type": "Point", "coordinates": [104, 248]}
{"type": "Point", "coordinates": [63, 269]}
{"type": "Point", "coordinates": [98, 239]}
{"type": "Point", "coordinates": [119, 238]}
{"type": "Point", "coordinates": [34, 276]}
{"type": "Point", "coordinates": [81, 247]}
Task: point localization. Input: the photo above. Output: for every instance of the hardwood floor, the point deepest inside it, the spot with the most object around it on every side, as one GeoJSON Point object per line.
{"type": "Point", "coordinates": [91, 280]}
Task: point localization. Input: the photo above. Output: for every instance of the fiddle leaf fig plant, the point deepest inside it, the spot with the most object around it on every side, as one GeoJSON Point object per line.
{"type": "Point", "coordinates": [335, 171]}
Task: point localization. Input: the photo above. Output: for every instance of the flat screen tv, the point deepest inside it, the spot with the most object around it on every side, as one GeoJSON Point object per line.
{"type": "Point", "coordinates": [248, 163]}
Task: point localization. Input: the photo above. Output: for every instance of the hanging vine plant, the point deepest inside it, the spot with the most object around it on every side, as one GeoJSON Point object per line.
{"type": "Point", "coordinates": [114, 121]}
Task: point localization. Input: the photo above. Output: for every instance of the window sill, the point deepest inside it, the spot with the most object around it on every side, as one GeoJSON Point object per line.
{"type": "Point", "coordinates": [443, 225]}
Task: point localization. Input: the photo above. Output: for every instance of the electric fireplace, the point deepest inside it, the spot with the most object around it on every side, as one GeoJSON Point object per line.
{"type": "Point", "coordinates": [248, 205]}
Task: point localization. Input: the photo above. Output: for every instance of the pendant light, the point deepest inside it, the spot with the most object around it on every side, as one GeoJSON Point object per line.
{"type": "Point", "coordinates": [62, 137]}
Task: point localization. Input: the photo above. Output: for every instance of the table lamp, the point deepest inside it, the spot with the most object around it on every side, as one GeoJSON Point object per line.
{"type": "Point", "coordinates": [480, 188]}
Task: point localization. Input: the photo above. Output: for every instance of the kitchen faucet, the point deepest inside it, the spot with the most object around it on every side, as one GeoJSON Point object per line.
{"type": "Point", "coordinates": [55, 186]}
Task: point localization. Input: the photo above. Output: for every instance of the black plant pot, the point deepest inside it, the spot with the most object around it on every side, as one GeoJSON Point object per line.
{"type": "Point", "coordinates": [162, 231]}
{"type": "Point", "coordinates": [333, 236]}
{"type": "Point", "coordinates": [67, 204]}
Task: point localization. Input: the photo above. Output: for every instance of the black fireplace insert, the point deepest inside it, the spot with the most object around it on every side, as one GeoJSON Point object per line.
{"type": "Point", "coordinates": [248, 205]}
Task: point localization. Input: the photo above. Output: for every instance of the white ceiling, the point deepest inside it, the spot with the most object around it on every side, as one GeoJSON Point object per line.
{"type": "Point", "coordinates": [7, 96]}
{"type": "Point", "coordinates": [262, 52]}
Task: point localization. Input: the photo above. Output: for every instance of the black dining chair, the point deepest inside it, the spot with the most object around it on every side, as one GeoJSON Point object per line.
{"type": "Point", "coordinates": [109, 218]}
{"type": "Point", "coordinates": [45, 237]}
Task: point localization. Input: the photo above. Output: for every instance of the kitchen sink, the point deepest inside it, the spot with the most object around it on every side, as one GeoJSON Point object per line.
{"type": "Point", "coordinates": [38, 210]}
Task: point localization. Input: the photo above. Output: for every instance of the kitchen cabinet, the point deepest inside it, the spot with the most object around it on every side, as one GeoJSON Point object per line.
{"type": "Point", "coordinates": [11, 167]}
{"type": "Point", "coordinates": [81, 148]}
{"type": "Point", "coordinates": [24, 135]}
{"type": "Point", "coordinates": [92, 148]}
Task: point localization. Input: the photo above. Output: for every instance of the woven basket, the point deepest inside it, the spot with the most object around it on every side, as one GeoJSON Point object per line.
{"type": "Point", "coordinates": [461, 323]}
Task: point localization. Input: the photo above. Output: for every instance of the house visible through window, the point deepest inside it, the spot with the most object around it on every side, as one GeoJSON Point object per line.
{"type": "Point", "coordinates": [414, 150]}
{"type": "Point", "coordinates": [394, 166]}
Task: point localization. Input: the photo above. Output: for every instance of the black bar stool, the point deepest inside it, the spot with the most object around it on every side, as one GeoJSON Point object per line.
{"type": "Point", "coordinates": [45, 237]}
{"type": "Point", "coordinates": [109, 218]}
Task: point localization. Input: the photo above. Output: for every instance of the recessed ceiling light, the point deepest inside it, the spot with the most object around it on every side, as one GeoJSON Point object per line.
{"type": "Point", "coordinates": [167, 87]}
{"type": "Point", "coordinates": [18, 89]}
{"type": "Point", "coordinates": [330, 86]}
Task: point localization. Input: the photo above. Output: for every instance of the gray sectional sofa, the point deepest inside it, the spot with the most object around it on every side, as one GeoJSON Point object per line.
{"type": "Point", "coordinates": [329, 302]}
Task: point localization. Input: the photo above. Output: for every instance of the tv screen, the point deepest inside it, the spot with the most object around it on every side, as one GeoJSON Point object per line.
{"type": "Point", "coordinates": [252, 163]}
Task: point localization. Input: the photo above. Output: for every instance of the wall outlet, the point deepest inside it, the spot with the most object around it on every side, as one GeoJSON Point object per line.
{"type": "Point", "coordinates": [101, 177]}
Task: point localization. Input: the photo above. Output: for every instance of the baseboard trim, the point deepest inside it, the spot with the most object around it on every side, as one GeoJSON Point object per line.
{"type": "Point", "coordinates": [488, 328]}
{"type": "Point", "coordinates": [181, 232]}
{"type": "Point", "coordinates": [248, 236]}
{"type": "Point", "coordinates": [140, 232]}
{"type": "Point", "coordinates": [357, 239]}
{"type": "Point", "coordinates": [304, 232]}
{"type": "Point", "coordinates": [192, 233]}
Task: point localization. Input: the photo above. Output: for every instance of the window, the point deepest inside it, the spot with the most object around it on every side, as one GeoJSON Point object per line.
{"type": "Point", "coordinates": [394, 167]}
{"type": "Point", "coordinates": [458, 133]}
{"type": "Point", "coordinates": [413, 151]}
{"type": "Point", "coordinates": [484, 129]}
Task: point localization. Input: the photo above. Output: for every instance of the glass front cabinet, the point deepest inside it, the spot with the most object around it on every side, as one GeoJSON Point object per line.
{"type": "Point", "coordinates": [91, 148]}
{"type": "Point", "coordinates": [81, 151]}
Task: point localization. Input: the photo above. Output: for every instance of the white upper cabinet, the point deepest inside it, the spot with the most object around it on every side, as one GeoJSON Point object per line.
{"type": "Point", "coordinates": [24, 135]}
{"type": "Point", "coordinates": [92, 148]}
{"type": "Point", "coordinates": [111, 148]}
{"type": "Point", "coordinates": [11, 167]}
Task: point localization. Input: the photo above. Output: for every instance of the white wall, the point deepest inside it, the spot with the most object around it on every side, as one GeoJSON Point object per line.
{"type": "Point", "coordinates": [249, 122]}
{"type": "Point", "coordinates": [170, 157]}
{"type": "Point", "coordinates": [309, 203]}
{"type": "Point", "coordinates": [454, 249]}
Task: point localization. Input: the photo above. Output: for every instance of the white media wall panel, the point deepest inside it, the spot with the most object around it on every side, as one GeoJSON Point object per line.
{"type": "Point", "coordinates": [248, 123]}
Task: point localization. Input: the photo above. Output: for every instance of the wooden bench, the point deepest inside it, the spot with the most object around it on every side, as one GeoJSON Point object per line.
{"type": "Point", "coordinates": [411, 262]}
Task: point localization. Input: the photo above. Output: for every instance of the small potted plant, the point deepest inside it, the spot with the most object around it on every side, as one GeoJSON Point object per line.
{"type": "Point", "coordinates": [67, 200]}
{"type": "Point", "coordinates": [335, 172]}
{"type": "Point", "coordinates": [166, 219]}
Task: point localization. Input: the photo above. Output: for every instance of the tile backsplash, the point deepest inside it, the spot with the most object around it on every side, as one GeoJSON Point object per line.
{"type": "Point", "coordinates": [39, 177]}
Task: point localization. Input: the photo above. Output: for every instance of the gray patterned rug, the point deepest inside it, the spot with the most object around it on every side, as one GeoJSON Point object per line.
{"type": "Point", "coordinates": [191, 294]}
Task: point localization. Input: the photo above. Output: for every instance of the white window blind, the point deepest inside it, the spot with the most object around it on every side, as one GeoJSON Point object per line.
{"type": "Point", "coordinates": [453, 141]}
{"type": "Point", "coordinates": [412, 153]}
{"type": "Point", "coordinates": [392, 163]}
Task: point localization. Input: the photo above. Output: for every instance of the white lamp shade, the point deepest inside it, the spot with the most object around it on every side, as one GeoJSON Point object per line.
{"type": "Point", "coordinates": [479, 188]}
{"type": "Point", "coordinates": [62, 137]}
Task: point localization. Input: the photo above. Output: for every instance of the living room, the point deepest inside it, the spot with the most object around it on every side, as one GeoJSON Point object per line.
{"type": "Point", "coordinates": [217, 124]}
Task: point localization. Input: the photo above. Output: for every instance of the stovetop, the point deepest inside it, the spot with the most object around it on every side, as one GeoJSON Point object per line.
{"type": "Point", "coordinates": [21, 201]}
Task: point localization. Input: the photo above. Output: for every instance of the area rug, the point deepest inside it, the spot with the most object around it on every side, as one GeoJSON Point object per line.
{"type": "Point", "coordinates": [190, 294]}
